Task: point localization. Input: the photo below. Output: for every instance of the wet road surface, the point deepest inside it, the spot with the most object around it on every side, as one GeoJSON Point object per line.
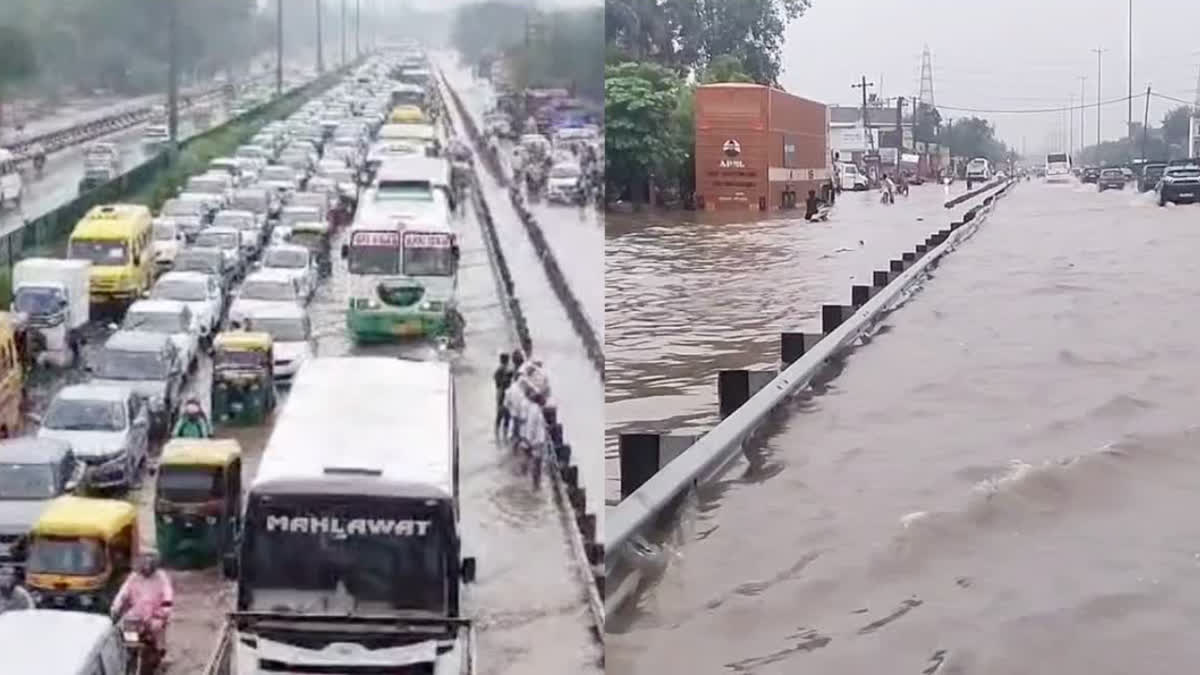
{"type": "Point", "coordinates": [578, 390]}
{"type": "Point", "coordinates": [531, 612]}
{"type": "Point", "coordinates": [575, 234]}
{"type": "Point", "coordinates": [685, 300]}
{"type": "Point", "coordinates": [998, 483]}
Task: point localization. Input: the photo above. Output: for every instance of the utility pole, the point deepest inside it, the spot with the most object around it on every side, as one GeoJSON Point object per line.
{"type": "Point", "coordinates": [357, 28]}
{"type": "Point", "coordinates": [1099, 53]}
{"type": "Point", "coordinates": [1145, 123]}
{"type": "Point", "coordinates": [279, 47]}
{"type": "Point", "coordinates": [343, 32]}
{"type": "Point", "coordinates": [173, 72]}
{"type": "Point", "coordinates": [1071, 122]}
{"type": "Point", "coordinates": [320, 39]}
{"type": "Point", "coordinates": [1082, 110]}
{"type": "Point", "coordinates": [1129, 103]}
{"type": "Point", "coordinates": [863, 84]}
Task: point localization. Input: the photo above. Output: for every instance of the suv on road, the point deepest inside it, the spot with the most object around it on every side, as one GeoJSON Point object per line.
{"type": "Point", "coordinates": [1149, 176]}
{"type": "Point", "coordinates": [1179, 184]}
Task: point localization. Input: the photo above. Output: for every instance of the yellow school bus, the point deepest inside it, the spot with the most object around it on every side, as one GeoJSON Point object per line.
{"type": "Point", "coordinates": [116, 238]}
{"type": "Point", "coordinates": [11, 379]}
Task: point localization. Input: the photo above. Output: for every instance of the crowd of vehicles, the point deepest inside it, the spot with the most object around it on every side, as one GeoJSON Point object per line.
{"type": "Point", "coordinates": [1176, 181]}
{"type": "Point", "coordinates": [227, 268]}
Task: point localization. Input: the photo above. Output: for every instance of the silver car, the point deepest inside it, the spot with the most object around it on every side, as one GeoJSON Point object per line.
{"type": "Point", "coordinates": [108, 427]}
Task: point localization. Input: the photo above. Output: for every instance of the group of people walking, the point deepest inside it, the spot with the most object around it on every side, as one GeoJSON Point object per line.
{"type": "Point", "coordinates": [524, 412]}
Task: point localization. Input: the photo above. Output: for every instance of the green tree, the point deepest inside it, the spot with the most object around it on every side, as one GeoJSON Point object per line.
{"type": "Point", "coordinates": [974, 137]}
{"type": "Point", "coordinates": [640, 101]}
{"type": "Point", "coordinates": [1175, 125]}
{"type": "Point", "coordinates": [17, 60]}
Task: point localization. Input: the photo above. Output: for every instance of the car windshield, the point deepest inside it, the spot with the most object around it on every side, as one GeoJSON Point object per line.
{"type": "Point", "coordinates": [99, 252]}
{"type": "Point", "coordinates": [126, 365]}
{"type": "Point", "coordinates": [304, 215]}
{"type": "Point", "coordinates": [66, 555]}
{"type": "Point", "coordinates": [198, 262]}
{"type": "Point", "coordinates": [255, 203]}
{"type": "Point", "coordinates": [212, 239]}
{"type": "Point", "coordinates": [294, 329]}
{"type": "Point", "coordinates": [235, 221]}
{"type": "Point", "coordinates": [206, 186]}
{"type": "Point", "coordinates": [181, 290]}
{"type": "Point", "coordinates": [156, 322]}
{"type": "Point", "coordinates": [164, 232]}
{"type": "Point", "coordinates": [564, 171]}
{"type": "Point", "coordinates": [268, 289]}
{"type": "Point", "coordinates": [287, 258]}
{"type": "Point", "coordinates": [279, 173]}
{"type": "Point", "coordinates": [69, 414]}
{"type": "Point", "coordinates": [189, 483]}
{"type": "Point", "coordinates": [1184, 173]}
{"type": "Point", "coordinates": [27, 481]}
{"type": "Point", "coordinates": [177, 208]}
{"type": "Point", "coordinates": [1112, 173]}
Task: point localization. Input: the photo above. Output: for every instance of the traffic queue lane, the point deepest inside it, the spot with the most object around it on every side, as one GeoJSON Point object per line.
{"type": "Point", "coordinates": [575, 234]}
{"type": "Point", "coordinates": [527, 603]}
{"type": "Point", "coordinates": [577, 389]}
{"type": "Point", "coordinates": [684, 302]}
{"type": "Point", "coordinates": [998, 482]}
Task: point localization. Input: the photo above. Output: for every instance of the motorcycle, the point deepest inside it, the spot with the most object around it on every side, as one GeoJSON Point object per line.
{"type": "Point", "coordinates": [141, 656]}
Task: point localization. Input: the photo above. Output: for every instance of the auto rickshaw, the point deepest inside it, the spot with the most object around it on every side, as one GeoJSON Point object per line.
{"type": "Point", "coordinates": [80, 551]}
{"type": "Point", "coordinates": [197, 501]}
{"type": "Point", "coordinates": [315, 237]}
{"type": "Point", "coordinates": [243, 389]}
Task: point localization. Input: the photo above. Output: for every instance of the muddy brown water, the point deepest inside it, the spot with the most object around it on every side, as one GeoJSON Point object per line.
{"type": "Point", "coordinates": [999, 482]}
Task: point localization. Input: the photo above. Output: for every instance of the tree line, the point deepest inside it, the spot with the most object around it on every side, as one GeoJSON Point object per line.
{"type": "Point", "coordinates": [1167, 141]}
{"type": "Point", "coordinates": [543, 48]}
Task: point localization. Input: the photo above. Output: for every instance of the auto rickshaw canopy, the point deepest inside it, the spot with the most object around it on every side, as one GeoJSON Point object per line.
{"type": "Point", "coordinates": [243, 341]}
{"type": "Point", "coordinates": [310, 227]}
{"type": "Point", "coordinates": [211, 452]}
{"type": "Point", "coordinates": [70, 516]}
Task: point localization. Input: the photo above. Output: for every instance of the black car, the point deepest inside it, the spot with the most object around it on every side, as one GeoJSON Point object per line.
{"type": "Point", "coordinates": [1090, 175]}
{"type": "Point", "coordinates": [1149, 176]}
{"type": "Point", "coordinates": [1180, 185]}
{"type": "Point", "coordinates": [1111, 178]}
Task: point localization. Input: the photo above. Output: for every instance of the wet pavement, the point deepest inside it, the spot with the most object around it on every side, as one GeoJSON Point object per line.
{"type": "Point", "coordinates": [531, 611]}
{"type": "Point", "coordinates": [998, 483]}
{"type": "Point", "coordinates": [689, 294]}
{"type": "Point", "coordinates": [575, 234]}
{"type": "Point", "coordinates": [578, 388]}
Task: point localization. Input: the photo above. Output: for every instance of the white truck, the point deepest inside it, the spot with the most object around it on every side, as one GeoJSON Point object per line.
{"type": "Point", "coordinates": [51, 296]}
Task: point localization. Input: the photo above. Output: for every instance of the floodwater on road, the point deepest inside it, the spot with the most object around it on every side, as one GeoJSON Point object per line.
{"type": "Point", "coordinates": [1000, 482]}
{"type": "Point", "coordinates": [690, 294]}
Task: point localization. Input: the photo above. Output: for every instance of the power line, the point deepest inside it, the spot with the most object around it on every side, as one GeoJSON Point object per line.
{"type": "Point", "coordinates": [1031, 111]}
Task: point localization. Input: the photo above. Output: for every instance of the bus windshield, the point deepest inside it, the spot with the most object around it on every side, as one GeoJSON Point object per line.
{"type": "Point", "coordinates": [1056, 158]}
{"type": "Point", "coordinates": [429, 254]}
{"type": "Point", "coordinates": [352, 554]}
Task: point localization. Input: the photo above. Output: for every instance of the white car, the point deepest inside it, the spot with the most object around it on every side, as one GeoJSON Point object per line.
{"type": "Point", "coordinates": [295, 260]}
{"type": "Point", "coordinates": [199, 291]}
{"type": "Point", "coordinates": [107, 427]}
{"type": "Point", "coordinates": [266, 287]}
{"type": "Point", "coordinates": [171, 318]}
{"type": "Point", "coordinates": [249, 227]}
{"type": "Point", "coordinates": [169, 239]}
{"type": "Point", "coordinates": [228, 240]}
{"type": "Point", "coordinates": [291, 333]}
{"type": "Point", "coordinates": [219, 185]}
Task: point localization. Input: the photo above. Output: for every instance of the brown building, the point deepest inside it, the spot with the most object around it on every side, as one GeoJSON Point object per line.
{"type": "Point", "coordinates": [758, 148]}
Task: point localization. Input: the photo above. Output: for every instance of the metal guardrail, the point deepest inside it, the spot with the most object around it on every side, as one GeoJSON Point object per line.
{"type": "Point", "coordinates": [569, 495]}
{"type": "Point", "coordinates": [712, 452]}
{"type": "Point", "coordinates": [583, 328]}
{"type": "Point", "coordinates": [221, 660]}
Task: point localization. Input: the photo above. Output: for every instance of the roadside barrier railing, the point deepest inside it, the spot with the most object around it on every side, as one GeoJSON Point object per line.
{"type": "Point", "coordinates": [658, 471]}
{"type": "Point", "coordinates": [569, 495]}
{"type": "Point", "coordinates": [558, 281]}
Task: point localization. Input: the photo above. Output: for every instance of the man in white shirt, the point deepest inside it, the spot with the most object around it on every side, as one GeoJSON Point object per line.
{"type": "Point", "coordinates": [536, 436]}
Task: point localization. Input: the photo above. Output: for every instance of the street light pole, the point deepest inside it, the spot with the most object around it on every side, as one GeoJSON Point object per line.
{"type": "Point", "coordinates": [1082, 110]}
{"type": "Point", "coordinates": [1129, 102]}
{"type": "Point", "coordinates": [358, 28]}
{"type": "Point", "coordinates": [320, 39]}
{"type": "Point", "coordinates": [173, 71]}
{"type": "Point", "coordinates": [279, 47]}
{"type": "Point", "coordinates": [343, 32]}
{"type": "Point", "coordinates": [1099, 53]}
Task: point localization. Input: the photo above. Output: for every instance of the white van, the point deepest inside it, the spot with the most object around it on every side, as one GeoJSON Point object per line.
{"type": "Point", "coordinates": [12, 188]}
{"type": "Point", "coordinates": [84, 643]}
{"type": "Point", "coordinates": [979, 169]}
{"type": "Point", "coordinates": [851, 178]}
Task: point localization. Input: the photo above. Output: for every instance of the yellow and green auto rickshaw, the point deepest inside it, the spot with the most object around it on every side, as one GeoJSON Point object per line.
{"type": "Point", "coordinates": [314, 236]}
{"type": "Point", "coordinates": [243, 388]}
{"type": "Point", "coordinates": [80, 551]}
{"type": "Point", "coordinates": [197, 501]}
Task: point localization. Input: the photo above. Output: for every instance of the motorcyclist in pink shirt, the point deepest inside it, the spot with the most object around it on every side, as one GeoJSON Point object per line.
{"type": "Point", "coordinates": [147, 595]}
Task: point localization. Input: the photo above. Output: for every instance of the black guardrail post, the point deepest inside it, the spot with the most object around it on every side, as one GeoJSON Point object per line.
{"type": "Point", "coordinates": [735, 387]}
{"type": "Point", "coordinates": [793, 345]}
{"type": "Point", "coordinates": [642, 455]}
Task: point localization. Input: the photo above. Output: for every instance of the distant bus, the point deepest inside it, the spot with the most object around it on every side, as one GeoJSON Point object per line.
{"type": "Point", "coordinates": [1058, 167]}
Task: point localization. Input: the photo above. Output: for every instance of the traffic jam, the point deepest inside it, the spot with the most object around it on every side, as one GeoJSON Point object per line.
{"type": "Point", "coordinates": [171, 337]}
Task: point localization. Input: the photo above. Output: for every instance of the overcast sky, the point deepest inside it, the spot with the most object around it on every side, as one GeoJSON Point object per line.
{"type": "Point", "coordinates": [1000, 55]}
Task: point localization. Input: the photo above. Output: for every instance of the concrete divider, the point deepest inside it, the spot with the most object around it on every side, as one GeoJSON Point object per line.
{"type": "Point", "coordinates": [583, 328]}
{"type": "Point", "coordinates": [748, 398]}
{"type": "Point", "coordinates": [569, 494]}
{"type": "Point", "coordinates": [971, 194]}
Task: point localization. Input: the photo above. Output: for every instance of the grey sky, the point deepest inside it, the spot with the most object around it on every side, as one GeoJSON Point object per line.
{"type": "Point", "coordinates": [1012, 54]}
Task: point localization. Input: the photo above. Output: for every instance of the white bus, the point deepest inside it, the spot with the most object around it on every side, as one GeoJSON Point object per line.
{"type": "Point", "coordinates": [351, 529]}
{"type": "Point", "coordinates": [1058, 167]}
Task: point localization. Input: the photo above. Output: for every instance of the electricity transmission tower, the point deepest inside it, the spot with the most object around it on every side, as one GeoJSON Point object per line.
{"type": "Point", "coordinates": [926, 95]}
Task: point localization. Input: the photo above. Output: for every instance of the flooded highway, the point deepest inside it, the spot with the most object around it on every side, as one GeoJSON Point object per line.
{"type": "Point", "coordinates": [998, 483]}
{"type": "Point", "coordinates": [686, 299]}
{"type": "Point", "coordinates": [579, 391]}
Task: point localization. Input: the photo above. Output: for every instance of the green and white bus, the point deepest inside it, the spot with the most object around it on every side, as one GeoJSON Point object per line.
{"type": "Point", "coordinates": [402, 257]}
